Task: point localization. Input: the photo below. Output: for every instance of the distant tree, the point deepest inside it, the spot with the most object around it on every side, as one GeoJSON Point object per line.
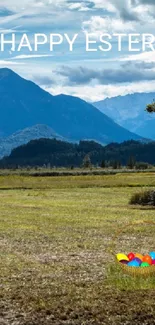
{"type": "Point", "coordinates": [115, 164]}
{"type": "Point", "coordinates": [131, 162]}
{"type": "Point", "coordinates": [119, 164]}
{"type": "Point", "coordinates": [86, 161]}
{"type": "Point", "coordinates": [103, 164]}
{"type": "Point", "coordinates": [150, 108]}
{"type": "Point", "coordinates": [108, 163]}
{"type": "Point", "coordinates": [146, 197]}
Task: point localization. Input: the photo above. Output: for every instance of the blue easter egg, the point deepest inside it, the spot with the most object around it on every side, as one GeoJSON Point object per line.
{"type": "Point", "coordinates": [152, 254]}
{"type": "Point", "coordinates": [133, 263]}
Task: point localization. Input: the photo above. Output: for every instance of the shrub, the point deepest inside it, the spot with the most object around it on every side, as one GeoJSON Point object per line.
{"type": "Point", "coordinates": [144, 198]}
{"type": "Point", "coordinates": [142, 165]}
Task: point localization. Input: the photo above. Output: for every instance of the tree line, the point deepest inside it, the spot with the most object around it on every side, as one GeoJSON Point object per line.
{"type": "Point", "coordinates": [56, 153]}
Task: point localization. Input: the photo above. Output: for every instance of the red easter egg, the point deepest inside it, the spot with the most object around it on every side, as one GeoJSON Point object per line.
{"type": "Point", "coordinates": [153, 262]}
{"type": "Point", "coordinates": [131, 256]}
{"type": "Point", "coordinates": [124, 262]}
{"type": "Point", "coordinates": [147, 259]}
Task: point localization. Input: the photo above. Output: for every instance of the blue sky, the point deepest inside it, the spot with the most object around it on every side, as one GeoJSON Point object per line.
{"type": "Point", "coordinates": [94, 75]}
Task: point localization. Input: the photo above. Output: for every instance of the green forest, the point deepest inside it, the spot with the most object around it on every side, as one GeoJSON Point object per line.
{"type": "Point", "coordinates": [54, 153]}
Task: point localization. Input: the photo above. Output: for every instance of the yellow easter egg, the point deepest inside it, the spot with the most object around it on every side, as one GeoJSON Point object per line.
{"type": "Point", "coordinates": [121, 257]}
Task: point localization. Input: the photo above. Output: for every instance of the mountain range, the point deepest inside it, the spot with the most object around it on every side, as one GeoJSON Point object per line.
{"type": "Point", "coordinates": [129, 112]}
{"type": "Point", "coordinates": [23, 104]}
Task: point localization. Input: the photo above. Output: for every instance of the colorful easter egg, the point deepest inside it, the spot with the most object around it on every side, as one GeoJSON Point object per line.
{"type": "Point", "coordinates": [152, 254]}
{"type": "Point", "coordinates": [147, 259]}
{"type": "Point", "coordinates": [124, 262]}
{"type": "Point", "coordinates": [140, 256]}
{"type": "Point", "coordinates": [131, 256]}
{"type": "Point", "coordinates": [138, 260]}
{"type": "Point", "coordinates": [122, 257]}
{"type": "Point", "coordinates": [153, 262]}
{"type": "Point", "coordinates": [133, 263]}
{"type": "Point", "coordinates": [145, 264]}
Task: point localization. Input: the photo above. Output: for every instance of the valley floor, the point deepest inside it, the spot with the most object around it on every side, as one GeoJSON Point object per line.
{"type": "Point", "coordinates": [56, 234]}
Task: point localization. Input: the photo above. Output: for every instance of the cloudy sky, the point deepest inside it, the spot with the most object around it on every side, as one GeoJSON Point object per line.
{"type": "Point", "coordinates": [89, 75]}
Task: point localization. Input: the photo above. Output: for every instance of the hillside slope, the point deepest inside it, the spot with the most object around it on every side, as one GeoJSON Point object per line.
{"type": "Point", "coordinates": [129, 112]}
{"type": "Point", "coordinates": [24, 136]}
{"type": "Point", "coordinates": [24, 104]}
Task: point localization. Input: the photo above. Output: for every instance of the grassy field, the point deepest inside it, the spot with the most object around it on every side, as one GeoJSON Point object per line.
{"type": "Point", "coordinates": [55, 239]}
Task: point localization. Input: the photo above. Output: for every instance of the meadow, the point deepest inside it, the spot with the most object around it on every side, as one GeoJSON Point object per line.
{"type": "Point", "coordinates": [56, 237]}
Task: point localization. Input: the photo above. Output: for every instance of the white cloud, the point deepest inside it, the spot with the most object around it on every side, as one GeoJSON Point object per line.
{"type": "Point", "coordinates": [16, 5]}
{"type": "Point", "coordinates": [125, 12]}
{"type": "Point", "coordinates": [30, 56]}
{"type": "Point", "coordinates": [99, 92]}
{"type": "Point", "coordinates": [7, 31]}
{"type": "Point", "coordinates": [91, 92]}
{"type": "Point", "coordinates": [144, 57]}
{"type": "Point", "coordinates": [110, 5]}
{"type": "Point", "coordinates": [8, 19]}
{"type": "Point", "coordinates": [98, 24]}
{"type": "Point", "coordinates": [104, 4]}
{"type": "Point", "coordinates": [8, 63]}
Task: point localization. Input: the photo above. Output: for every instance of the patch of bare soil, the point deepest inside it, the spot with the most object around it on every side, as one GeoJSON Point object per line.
{"type": "Point", "coordinates": [115, 308]}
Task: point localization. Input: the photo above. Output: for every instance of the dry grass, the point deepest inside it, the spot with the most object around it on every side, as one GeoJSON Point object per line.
{"type": "Point", "coordinates": [56, 267]}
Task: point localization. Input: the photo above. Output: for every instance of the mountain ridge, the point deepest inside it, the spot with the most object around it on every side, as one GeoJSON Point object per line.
{"type": "Point", "coordinates": [129, 112]}
{"type": "Point", "coordinates": [26, 104]}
